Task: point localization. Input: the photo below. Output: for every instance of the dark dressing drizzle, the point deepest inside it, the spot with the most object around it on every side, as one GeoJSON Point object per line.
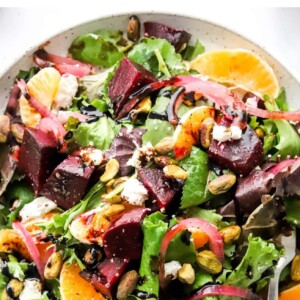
{"type": "Point", "coordinates": [143, 295]}
{"type": "Point", "coordinates": [156, 115]}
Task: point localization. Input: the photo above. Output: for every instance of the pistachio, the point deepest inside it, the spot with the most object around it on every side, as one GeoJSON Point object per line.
{"type": "Point", "coordinates": [111, 170]}
{"type": "Point", "coordinates": [127, 284]}
{"type": "Point", "coordinates": [4, 128]}
{"type": "Point", "coordinates": [206, 132]}
{"type": "Point", "coordinates": [295, 270]}
{"type": "Point", "coordinates": [92, 256]}
{"type": "Point", "coordinates": [221, 184]}
{"type": "Point", "coordinates": [114, 209]}
{"type": "Point", "coordinates": [14, 288]}
{"type": "Point", "coordinates": [165, 145]}
{"type": "Point", "coordinates": [163, 161]}
{"type": "Point", "coordinates": [113, 199]}
{"type": "Point", "coordinates": [53, 266]}
{"type": "Point", "coordinates": [230, 233]}
{"type": "Point", "coordinates": [17, 130]}
{"type": "Point", "coordinates": [186, 274]}
{"type": "Point", "coordinates": [173, 171]}
{"type": "Point", "coordinates": [114, 183]}
{"type": "Point", "coordinates": [260, 133]}
{"type": "Point", "coordinates": [133, 29]}
{"type": "Point", "coordinates": [142, 107]}
{"type": "Point", "coordinates": [208, 261]}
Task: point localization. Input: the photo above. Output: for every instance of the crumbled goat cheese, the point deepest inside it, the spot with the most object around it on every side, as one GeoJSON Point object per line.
{"type": "Point", "coordinates": [37, 208]}
{"type": "Point", "coordinates": [134, 192]}
{"type": "Point", "coordinates": [32, 290]}
{"type": "Point", "coordinates": [252, 102]}
{"type": "Point", "coordinates": [67, 89]}
{"type": "Point", "coordinates": [171, 269]}
{"type": "Point", "coordinates": [223, 134]}
{"type": "Point", "coordinates": [92, 156]}
{"type": "Point", "coordinates": [141, 156]}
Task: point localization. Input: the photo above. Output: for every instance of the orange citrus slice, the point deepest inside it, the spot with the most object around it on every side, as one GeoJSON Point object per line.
{"type": "Point", "coordinates": [10, 241]}
{"type": "Point", "coordinates": [43, 87]}
{"type": "Point", "coordinates": [290, 294]}
{"type": "Point", "coordinates": [238, 67]}
{"type": "Point", "coordinates": [74, 287]}
{"type": "Point", "coordinates": [187, 132]}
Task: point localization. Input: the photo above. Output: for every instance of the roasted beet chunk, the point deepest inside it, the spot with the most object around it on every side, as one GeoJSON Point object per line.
{"type": "Point", "coordinates": [123, 146]}
{"type": "Point", "coordinates": [240, 156]}
{"type": "Point", "coordinates": [68, 182]}
{"type": "Point", "coordinates": [176, 37]}
{"type": "Point", "coordinates": [161, 189]}
{"type": "Point", "coordinates": [107, 275]}
{"type": "Point", "coordinates": [128, 78]}
{"type": "Point", "coordinates": [38, 157]}
{"type": "Point", "coordinates": [124, 236]}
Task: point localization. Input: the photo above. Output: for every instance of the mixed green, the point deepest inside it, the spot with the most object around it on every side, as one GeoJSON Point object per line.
{"type": "Point", "coordinates": [149, 180]}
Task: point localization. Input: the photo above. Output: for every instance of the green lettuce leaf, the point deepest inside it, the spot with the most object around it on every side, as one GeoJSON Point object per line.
{"type": "Point", "coordinates": [53, 286]}
{"type": "Point", "coordinates": [144, 54]}
{"type": "Point", "coordinates": [288, 139]}
{"type": "Point", "coordinates": [292, 207]}
{"type": "Point", "coordinates": [201, 278]}
{"type": "Point", "coordinates": [153, 226]}
{"type": "Point", "coordinates": [94, 49]}
{"type": "Point", "coordinates": [3, 282]}
{"type": "Point", "coordinates": [260, 256]}
{"type": "Point", "coordinates": [195, 189]}
{"type": "Point", "coordinates": [98, 134]}
{"type": "Point", "coordinates": [191, 52]}
{"type": "Point", "coordinates": [208, 215]}
{"type": "Point", "coordinates": [281, 139]}
{"type": "Point", "coordinates": [179, 250]}
{"type": "Point", "coordinates": [20, 191]}
{"type": "Point", "coordinates": [158, 129]}
{"type": "Point", "coordinates": [281, 100]}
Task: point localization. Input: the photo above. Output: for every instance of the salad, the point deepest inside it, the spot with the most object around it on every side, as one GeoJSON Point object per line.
{"type": "Point", "coordinates": [144, 167]}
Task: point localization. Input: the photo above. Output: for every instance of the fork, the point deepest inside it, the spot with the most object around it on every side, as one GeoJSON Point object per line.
{"type": "Point", "coordinates": [289, 243]}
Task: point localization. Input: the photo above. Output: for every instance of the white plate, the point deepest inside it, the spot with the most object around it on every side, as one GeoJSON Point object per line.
{"type": "Point", "coordinates": [212, 36]}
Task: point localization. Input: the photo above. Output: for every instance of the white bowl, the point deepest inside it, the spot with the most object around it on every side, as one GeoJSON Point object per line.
{"type": "Point", "coordinates": [211, 35]}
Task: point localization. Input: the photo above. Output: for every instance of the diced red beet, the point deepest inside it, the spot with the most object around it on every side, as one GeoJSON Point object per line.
{"type": "Point", "coordinates": [128, 78]}
{"type": "Point", "coordinates": [38, 157]}
{"type": "Point", "coordinates": [161, 189]}
{"type": "Point", "coordinates": [108, 274]}
{"type": "Point", "coordinates": [124, 237]}
{"type": "Point", "coordinates": [240, 156]}
{"type": "Point", "coordinates": [176, 37]}
{"type": "Point", "coordinates": [68, 182]}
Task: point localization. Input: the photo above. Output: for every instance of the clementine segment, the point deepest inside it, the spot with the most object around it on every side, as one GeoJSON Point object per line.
{"type": "Point", "coordinates": [74, 287]}
{"type": "Point", "coordinates": [239, 67]}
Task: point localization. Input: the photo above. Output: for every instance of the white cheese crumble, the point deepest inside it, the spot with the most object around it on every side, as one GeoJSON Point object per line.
{"type": "Point", "coordinates": [32, 290]}
{"type": "Point", "coordinates": [142, 155]}
{"type": "Point", "coordinates": [224, 134]}
{"type": "Point", "coordinates": [171, 269]}
{"type": "Point", "coordinates": [67, 89]}
{"type": "Point", "coordinates": [92, 156]}
{"type": "Point", "coordinates": [252, 102]}
{"type": "Point", "coordinates": [134, 192]}
{"type": "Point", "coordinates": [37, 208]}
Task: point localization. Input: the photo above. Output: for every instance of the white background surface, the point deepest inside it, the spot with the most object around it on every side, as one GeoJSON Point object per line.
{"type": "Point", "coordinates": [275, 29]}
